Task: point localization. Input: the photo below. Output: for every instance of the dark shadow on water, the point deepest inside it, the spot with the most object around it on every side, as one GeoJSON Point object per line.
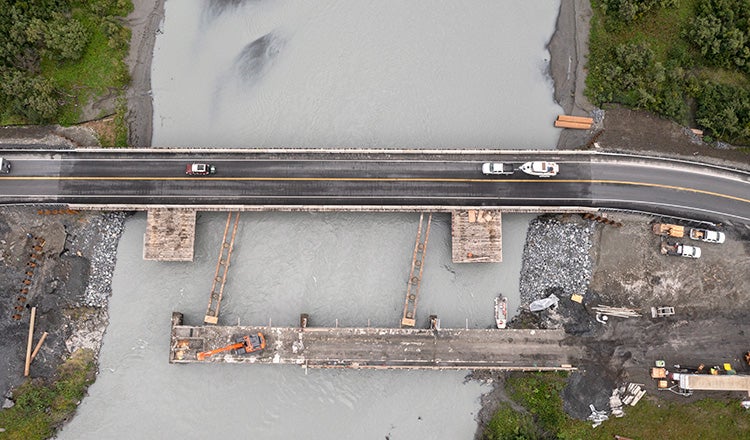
{"type": "Point", "coordinates": [248, 67]}
{"type": "Point", "coordinates": [218, 7]}
{"type": "Point", "coordinates": [255, 57]}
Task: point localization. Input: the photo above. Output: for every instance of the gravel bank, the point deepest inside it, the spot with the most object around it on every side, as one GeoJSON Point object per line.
{"type": "Point", "coordinates": [556, 258]}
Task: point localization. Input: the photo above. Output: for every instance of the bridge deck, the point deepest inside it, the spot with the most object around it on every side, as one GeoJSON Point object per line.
{"type": "Point", "coordinates": [382, 347]}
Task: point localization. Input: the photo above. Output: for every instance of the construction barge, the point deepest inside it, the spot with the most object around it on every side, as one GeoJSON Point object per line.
{"type": "Point", "coordinates": [389, 348]}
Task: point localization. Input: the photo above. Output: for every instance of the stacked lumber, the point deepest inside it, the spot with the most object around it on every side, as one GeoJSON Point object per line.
{"type": "Point", "coordinates": [577, 122]}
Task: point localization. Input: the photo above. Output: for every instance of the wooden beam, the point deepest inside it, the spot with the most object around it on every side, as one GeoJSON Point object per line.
{"type": "Point", "coordinates": [28, 346]}
{"type": "Point", "coordinates": [38, 346]}
{"type": "Point", "coordinates": [579, 119]}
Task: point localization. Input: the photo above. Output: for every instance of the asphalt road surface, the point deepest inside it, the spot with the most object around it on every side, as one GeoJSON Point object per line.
{"type": "Point", "coordinates": [432, 180]}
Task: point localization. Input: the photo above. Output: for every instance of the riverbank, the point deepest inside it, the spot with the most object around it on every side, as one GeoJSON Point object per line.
{"type": "Point", "coordinates": [144, 22]}
{"type": "Point", "coordinates": [68, 280]}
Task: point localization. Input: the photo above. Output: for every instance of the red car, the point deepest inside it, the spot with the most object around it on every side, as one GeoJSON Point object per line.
{"type": "Point", "coordinates": [199, 169]}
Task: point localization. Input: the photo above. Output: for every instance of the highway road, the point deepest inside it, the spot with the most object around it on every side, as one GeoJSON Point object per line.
{"type": "Point", "coordinates": [428, 179]}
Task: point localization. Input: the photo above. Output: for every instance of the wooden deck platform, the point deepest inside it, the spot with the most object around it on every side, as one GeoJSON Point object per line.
{"type": "Point", "coordinates": [170, 234]}
{"type": "Point", "coordinates": [477, 236]}
{"type": "Point", "coordinates": [533, 350]}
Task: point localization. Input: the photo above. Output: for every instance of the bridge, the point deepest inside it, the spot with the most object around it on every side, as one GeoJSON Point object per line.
{"type": "Point", "coordinates": [372, 180]}
{"type": "Point", "coordinates": [381, 348]}
{"type": "Point", "coordinates": [363, 180]}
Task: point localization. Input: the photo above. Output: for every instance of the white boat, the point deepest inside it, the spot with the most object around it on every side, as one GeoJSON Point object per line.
{"type": "Point", "coordinates": [540, 168]}
{"type": "Point", "coordinates": [501, 311]}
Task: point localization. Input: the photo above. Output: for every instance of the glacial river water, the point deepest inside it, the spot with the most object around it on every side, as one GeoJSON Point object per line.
{"type": "Point", "coordinates": [320, 74]}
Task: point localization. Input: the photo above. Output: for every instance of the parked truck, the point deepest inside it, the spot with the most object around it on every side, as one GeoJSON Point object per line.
{"type": "Point", "coordinates": [679, 249]}
{"type": "Point", "coordinates": [707, 235]}
{"type": "Point", "coordinates": [666, 229]}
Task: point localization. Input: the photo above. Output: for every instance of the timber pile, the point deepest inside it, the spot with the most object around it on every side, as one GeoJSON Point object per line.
{"type": "Point", "coordinates": [620, 312]}
{"type": "Point", "coordinates": [576, 122]}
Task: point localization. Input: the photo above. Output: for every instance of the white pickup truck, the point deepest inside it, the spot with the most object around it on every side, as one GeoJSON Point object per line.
{"type": "Point", "coordinates": [497, 168]}
{"type": "Point", "coordinates": [707, 236]}
{"type": "Point", "coordinates": [683, 250]}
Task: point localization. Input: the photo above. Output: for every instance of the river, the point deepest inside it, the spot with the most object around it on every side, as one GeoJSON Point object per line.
{"type": "Point", "coordinates": [320, 74]}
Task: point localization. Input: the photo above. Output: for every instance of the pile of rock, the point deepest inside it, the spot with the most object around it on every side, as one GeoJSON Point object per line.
{"type": "Point", "coordinates": [98, 241]}
{"type": "Point", "coordinates": [556, 259]}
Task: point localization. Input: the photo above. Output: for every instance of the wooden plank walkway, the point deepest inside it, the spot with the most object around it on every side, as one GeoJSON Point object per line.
{"type": "Point", "coordinates": [477, 236]}
{"type": "Point", "coordinates": [535, 350]}
{"type": "Point", "coordinates": [408, 319]}
{"type": "Point", "coordinates": [222, 265]}
{"type": "Point", "coordinates": [170, 234]}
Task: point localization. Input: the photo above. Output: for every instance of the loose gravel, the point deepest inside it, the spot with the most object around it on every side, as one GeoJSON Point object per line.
{"type": "Point", "coordinates": [98, 240]}
{"type": "Point", "coordinates": [556, 259]}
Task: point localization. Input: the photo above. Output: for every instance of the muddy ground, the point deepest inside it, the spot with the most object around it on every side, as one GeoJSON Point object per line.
{"type": "Point", "coordinates": [711, 297]}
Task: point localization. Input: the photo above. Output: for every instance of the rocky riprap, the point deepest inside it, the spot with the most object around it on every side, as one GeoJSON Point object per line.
{"type": "Point", "coordinates": [98, 240]}
{"type": "Point", "coordinates": [556, 259]}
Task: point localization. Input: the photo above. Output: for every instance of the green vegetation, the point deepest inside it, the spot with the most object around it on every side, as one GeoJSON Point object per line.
{"type": "Point", "coordinates": [543, 416]}
{"type": "Point", "coordinates": [539, 395]}
{"type": "Point", "coordinates": [688, 60]}
{"type": "Point", "coordinates": [510, 424]}
{"type": "Point", "coordinates": [41, 407]}
{"type": "Point", "coordinates": [56, 55]}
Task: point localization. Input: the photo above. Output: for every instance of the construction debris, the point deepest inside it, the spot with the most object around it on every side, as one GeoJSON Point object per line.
{"type": "Point", "coordinates": [631, 393]}
{"type": "Point", "coordinates": [620, 312]}
{"type": "Point", "coordinates": [544, 303]}
{"type": "Point", "coordinates": [597, 416]}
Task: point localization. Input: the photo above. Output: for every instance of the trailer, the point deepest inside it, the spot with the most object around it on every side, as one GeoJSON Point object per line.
{"type": "Point", "coordinates": [666, 229]}
{"type": "Point", "coordinates": [712, 382]}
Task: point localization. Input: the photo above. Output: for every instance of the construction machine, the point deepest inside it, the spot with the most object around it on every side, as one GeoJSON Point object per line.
{"type": "Point", "coordinates": [248, 344]}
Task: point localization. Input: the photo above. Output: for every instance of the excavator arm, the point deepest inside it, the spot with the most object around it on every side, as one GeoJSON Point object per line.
{"type": "Point", "coordinates": [204, 354]}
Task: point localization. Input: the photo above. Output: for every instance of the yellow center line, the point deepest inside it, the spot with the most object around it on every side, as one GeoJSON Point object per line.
{"type": "Point", "coordinates": [388, 179]}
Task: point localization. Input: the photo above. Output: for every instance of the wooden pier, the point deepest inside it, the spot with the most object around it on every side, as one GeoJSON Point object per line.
{"type": "Point", "coordinates": [477, 236]}
{"type": "Point", "coordinates": [170, 234]}
{"type": "Point", "coordinates": [531, 350]}
{"type": "Point", "coordinates": [222, 265]}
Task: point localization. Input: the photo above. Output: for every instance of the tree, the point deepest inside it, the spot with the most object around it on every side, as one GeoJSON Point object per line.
{"type": "Point", "coordinates": [30, 97]}
{"type": "Point", "coordinates": [724, 110]}
{"type": "Point", "coordinates": [65, 38]}
{"type": "Point", "coordinates": [721, 31]}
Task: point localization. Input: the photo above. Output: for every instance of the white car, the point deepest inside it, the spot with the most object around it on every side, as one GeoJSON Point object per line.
{"type": "Point", "coordinates": [540, 168]}
{"type": "Point", "coordinates": [497, 168]}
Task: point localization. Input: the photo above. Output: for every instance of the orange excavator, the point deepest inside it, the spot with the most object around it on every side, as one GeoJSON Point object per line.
{"type": "Point", "coordinates": [248, 344]}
